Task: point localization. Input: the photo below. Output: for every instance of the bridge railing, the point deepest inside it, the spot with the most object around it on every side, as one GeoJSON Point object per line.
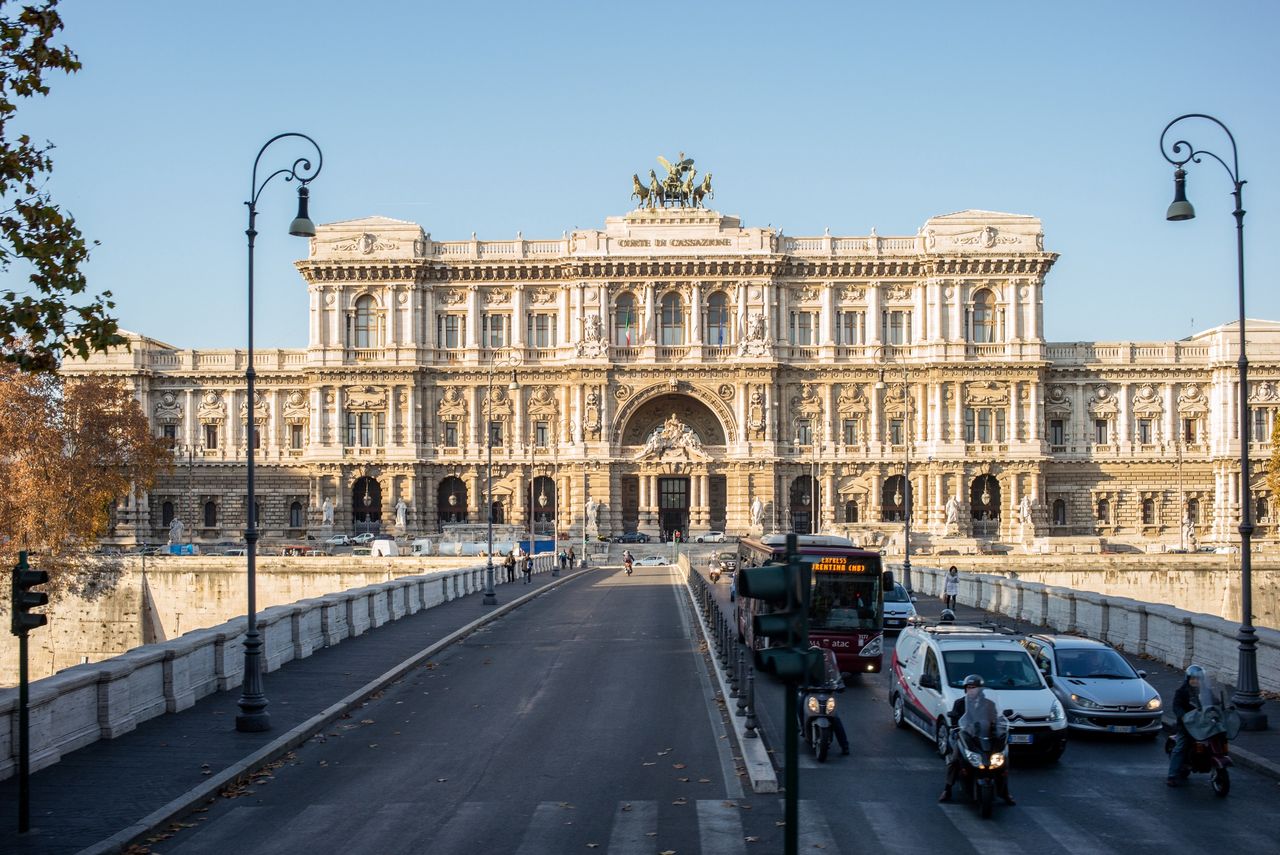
{"type": "Point", "coordinates": [1167, 634]}
{"type": "Point", "coordinates": [103, 700]}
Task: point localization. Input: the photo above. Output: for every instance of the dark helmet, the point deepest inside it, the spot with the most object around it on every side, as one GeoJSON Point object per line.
{"type": "Point", "coordinates": [947, 616]}
{"type": "Point", "coordinates": [1195, 672]}
{"type": "Point", "coordinates": [974, 680]}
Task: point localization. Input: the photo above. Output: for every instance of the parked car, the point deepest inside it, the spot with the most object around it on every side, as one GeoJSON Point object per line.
{"type": "Point", "coordinates": [899, 607]}
{"type": "Point", "coordinates": [930, 664]}
{"type": "Point", "coordinates": [362, 550]}
{"type": "Point", "coordinates": [363, 537]}
{"type": "Point", "coordinates": [1099, 689]}
{"type": "Point", "coordinates": [238, 552]}
{"type": "Point", "coordinates": [632, 537]}
{"type": "Point", "coordinates": [652, 561]}
{"type": "Point", "coordinates": [710, 537]}
{"type": "Point", "coordinates": [339, 540]}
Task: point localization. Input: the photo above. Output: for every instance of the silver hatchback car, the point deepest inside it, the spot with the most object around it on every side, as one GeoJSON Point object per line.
{"type": "Point", "coordinates": [1098, 688]}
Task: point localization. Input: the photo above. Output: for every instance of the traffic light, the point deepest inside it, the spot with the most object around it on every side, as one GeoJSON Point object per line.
{"type": "Point", "coordinates": [25, 599]}
{"type": "Point", "coordinates": [785, 588]}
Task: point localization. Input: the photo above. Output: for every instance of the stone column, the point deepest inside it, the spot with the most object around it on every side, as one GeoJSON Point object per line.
{"type": "Point", "coordinates": [579, 413]}
{"type": "Point", "coordinates": [1123, 417]}
{"type": "Point", "coordinates": [876, 434]}
{"type": "Point", "coordinates": [566, 324]}
{"type": "Point", "coordinates": [695, 314]}
{"type": "Point", "coordinates": [827, 317]}
{"type": "Point", "coordinates": [768, 412]}
{"type": "Point", "coordinates": [873, 511]}
{"type": "Point", "coordinates": [1015, 412]}
{"type": "Point", "coordinates": [1035, 431]}
{"type": "Point", "coordinates": [1171, 425]}
{"type": "Point", "coordinates": [1011, 518]}
{"type": "Point", "coordinates": [741, 394]}
{"type": "Point", "coordinates": [649, 329]}
{"type": "Point", "coordinates": [473, 317]}
{"type": "Point", "coordinates": [957, 411]}
{"type": "Point", "coordinates": [874, 334]}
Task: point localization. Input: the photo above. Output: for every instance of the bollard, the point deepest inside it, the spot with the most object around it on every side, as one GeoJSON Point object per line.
{"type": "Point", "coordinates": [724, 644]}
{"type": "Point", "coordinates": [742, 696]}
{"type": "Point", "coordinates": [750, 724]}
{"type": "Point", "coordinates": [732, 672]}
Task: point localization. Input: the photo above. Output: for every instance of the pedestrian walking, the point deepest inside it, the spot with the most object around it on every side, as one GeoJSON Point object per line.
{"type": "Point", "coordinates": [950, 588]}
{"type": "Point", "coordinates": [563, 558]}
{"type": "Point", "coordinates": [509, 564]}
{"type": "Point", "coordinates": [528, 569]}
{"type": "Point", "coordinates": [573, 558]}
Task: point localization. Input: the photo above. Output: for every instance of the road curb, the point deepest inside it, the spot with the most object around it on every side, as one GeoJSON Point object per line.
{"type": "Point", "coordinates": [755, 757]}
{"type": "Point", "coordinates": [1241, 756]}
{"type": "Point", "coordinates": [302, 732]}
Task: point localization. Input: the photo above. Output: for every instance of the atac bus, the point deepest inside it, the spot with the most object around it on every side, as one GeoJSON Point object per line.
{"type": "Point", "coordinates": [846, 605]}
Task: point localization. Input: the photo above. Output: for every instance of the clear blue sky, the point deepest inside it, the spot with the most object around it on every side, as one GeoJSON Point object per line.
{"type": "Point", "coordinates": [498, 118]}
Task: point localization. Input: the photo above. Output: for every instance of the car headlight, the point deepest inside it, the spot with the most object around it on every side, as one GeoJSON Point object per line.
{"type": "Point", "coordinates": [1085, 703]}
{"type": "Point", "coordinates": [1055, 711]}
{"type": "Point", "coordinates": [1154, 703]}
{"type": "Point", "coordinates": [997, 760]}
{"type": "Point", "coordinates": [812, 704]}
{"type": "Point", "coordinates": [831, 705]}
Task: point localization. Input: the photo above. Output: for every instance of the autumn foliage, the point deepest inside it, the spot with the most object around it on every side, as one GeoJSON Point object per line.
{"type": "Point", "coordinates": [69, 449]}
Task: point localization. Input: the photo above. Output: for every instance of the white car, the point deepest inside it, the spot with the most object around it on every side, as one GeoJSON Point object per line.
{"type": "Point", "coordinates": [363, 537]}
{"type": "Point", "coordinates": [652, 561]}
{"type": "Point", "coordinates": [929, 667]}
{"type": "Point", "coordinates": [339, 540]}
{"type": "Point", "coordinates": [710, 537]}
{"type": "Point", "coordinates": [899, 608]}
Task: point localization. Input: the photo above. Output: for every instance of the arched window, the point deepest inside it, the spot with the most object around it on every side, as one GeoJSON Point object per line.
{"type": "Point", "coordinates": [626, 331]}
{"type": "Point", "coordinates": [364, 322]}
{"type": "Point", "coordinates": [1059, 512]}
{"type": "Point", "coordinates": [166, 513]}
{"type": "Point", "coordinates": [1104, 511]}
{"type": "Point", "coordinates": [1193, 511]}
{"type": "Point", "coordinates": [1148, 512]}
{"type": "Point", "coordinates": [499, 513]}
{"type": "Point", "coordinates": [210, 515]}
{"type": "Point", "coordinates": [718, 320]}
{"type": "Point", "coordinates": [671, 322]}
{"type": "Point", "coordinates": [295, 515]}
{"type": "Point", "coordinates": [851, 511]}
{"type": "Point", "coordinates": [984, 317]}
{"type": "Point", "coordinates": [1260, 510]}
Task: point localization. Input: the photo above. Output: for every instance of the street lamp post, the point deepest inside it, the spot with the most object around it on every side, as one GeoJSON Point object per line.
{"type": "Point", "coordinates": [490, 595]}
{"type": "Point", "coordinates": [1247, 698]}
{"type": "Point", "coordinates": [906, 471]}
{"type": "Point", "coordinates": [253, 716]}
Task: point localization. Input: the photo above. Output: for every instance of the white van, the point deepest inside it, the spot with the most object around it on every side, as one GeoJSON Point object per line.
{"type": "Point", "coordinates": [384, 546]}
{"type": "Point", "coordinates": [423, 546]}
{"type": "Point", "coordinates": [929, 667]}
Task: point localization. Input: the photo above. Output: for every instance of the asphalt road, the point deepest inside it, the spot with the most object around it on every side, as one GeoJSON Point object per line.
{"type": "Point", "coordinates": [585, 721]}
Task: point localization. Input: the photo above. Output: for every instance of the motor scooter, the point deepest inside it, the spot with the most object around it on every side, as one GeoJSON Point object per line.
{"type": "Point", "coordinates": [1211, 728]}
{"type": "Point", "coordinates": [817, 708]}
{"type": "Point", "coordinates": [713, 571]}
{"type": "Point", "coordinates": [983, 751]}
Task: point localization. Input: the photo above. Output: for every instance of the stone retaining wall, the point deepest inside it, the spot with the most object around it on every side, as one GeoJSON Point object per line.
{"type": "Point", "coordinates": [103, 700]}
{"type": "Point", "coordinates": [1173, 636]}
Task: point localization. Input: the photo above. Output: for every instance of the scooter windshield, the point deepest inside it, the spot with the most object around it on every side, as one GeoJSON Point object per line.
{"type": "Point", "coordinates": [982, 724]}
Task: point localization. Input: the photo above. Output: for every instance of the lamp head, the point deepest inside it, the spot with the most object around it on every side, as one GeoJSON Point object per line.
{"type": "Point", "coordinates": [880, 382]}
{"type": "Point", "coordinates": [302, 225]}
{"type": "Point", "coordinates": [514, 385]}
{"type": "Point", "coordinates": [1180, 209]}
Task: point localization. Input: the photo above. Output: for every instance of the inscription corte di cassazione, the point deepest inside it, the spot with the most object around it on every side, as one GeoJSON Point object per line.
{"type": "Point", "coordinates": [676, 242]}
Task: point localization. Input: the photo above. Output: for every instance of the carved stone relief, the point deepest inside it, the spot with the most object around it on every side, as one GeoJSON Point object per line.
{"type": "Point", "coordinates": [365, 398]}
{"type": "Point", "coordinates": [168, 409]}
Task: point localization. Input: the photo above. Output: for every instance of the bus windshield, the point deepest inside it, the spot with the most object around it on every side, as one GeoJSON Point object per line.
{"type": "Point", "coordinates": [846, 594]}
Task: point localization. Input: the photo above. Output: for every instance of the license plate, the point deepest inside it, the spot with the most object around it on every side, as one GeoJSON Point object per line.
{"type": "Point", "coordinates": [1020, 739]}
{"type": "Point", "coordinates": [1121, 728]}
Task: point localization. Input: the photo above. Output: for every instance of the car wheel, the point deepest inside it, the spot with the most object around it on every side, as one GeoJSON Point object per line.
{"type": "Point", "coordinates": [1056, 754]}
{"type": "Point", "coordinates": [941, 743]}
{"type": "Point", "coordinates": [899, 711]}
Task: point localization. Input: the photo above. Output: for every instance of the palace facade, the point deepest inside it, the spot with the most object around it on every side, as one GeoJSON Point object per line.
{"type": "Point", "coordinates": [678, 371]}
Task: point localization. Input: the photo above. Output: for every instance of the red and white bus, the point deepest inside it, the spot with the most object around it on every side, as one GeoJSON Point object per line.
{"type": "Point", "coordinates": [846, 605]}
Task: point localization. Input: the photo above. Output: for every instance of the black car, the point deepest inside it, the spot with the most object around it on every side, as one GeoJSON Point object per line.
{"type": "Point", "coordinates": [632, 537]}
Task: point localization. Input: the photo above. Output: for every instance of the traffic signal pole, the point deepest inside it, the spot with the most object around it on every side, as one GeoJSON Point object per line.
{"type": "Point", "coordinates": [23, 621]}
{"type": "Point", "coordinates": [791, 775]}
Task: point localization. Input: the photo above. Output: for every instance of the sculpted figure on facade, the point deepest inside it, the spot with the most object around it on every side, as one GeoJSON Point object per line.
{"type": "Point", "coordinates": [591, 423]}
{"type": "Point", "coordinates": [326, 512]}
{"type": "Point", "coordinates": [168, 408]}
{"type": "Point", "coordinates": [757, 511]}
{"type": "Point", "coordinates": [593, 517]}
{"type": "Point", "coordinates": [756, 340]}
{"type": "Point", "coordinates": [672, 434]}
{"type": "Point", "coordinates": [593, 342]}
{"type": "Point", "coordinates": [951, 512]}
{"type": "Point", "coordinates": [402, 511]}
{"type": "Point", "coordinates": [175, 531]}
{"type": "Point", "coordinates": [755, 412]}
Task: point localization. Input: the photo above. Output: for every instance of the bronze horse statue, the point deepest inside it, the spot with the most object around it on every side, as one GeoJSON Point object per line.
{"type": "Point", "coordinates": [639, 191]}
{"type": "Point", "coordinates": [702, 191]}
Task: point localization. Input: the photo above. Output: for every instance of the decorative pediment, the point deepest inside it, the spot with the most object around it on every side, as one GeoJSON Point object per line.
{"type": "Point", "coordinates": [542, 296]}
{"type": "Point", "coordinates": [673, 440]}
{"type": "Point", "coordinates": [852, 400]}
{"type": "Point", "coordinates": [1056, 402]}
{"type": "Point", "coordinates": [168, 409]}
{"type": "Point", "coordinates": [261, 410]}
{"type": "Point", "coordinates": [1147, 402]}
{"type": "Point", "coordinates": [497, 296]}
{"type": "Point", "coordinates": [986, 394]}
{"type": "Point", "coordinates": [453, 296]}
{"type": "Point", "coordinates": [1191, 400]}
{"type": "Point", "coordinates": [851, 293]}
{"type": "Point", "coordinates": [542, 402]}
{"type": "Point", "coordinates": [898, 292]}
{"type": "Point", "coordinates": [1265, 392]}
{"type": "Point", "coordinates": [365, 398]}
{"type": "Point", "coordinates": [896, 402]}
{"type": "Point", "coordinates": [366, 243]}
{"type": "Point", "coordinates": [295, 406]}
{"type": "Point", "coordinates": [807, 294]}
{"type": "Point", "coordinates": [499, 407]}
{"type": "Point", "coordinates": [808, 403]}
{"type": "Point", "coordinates": [1103, 402]}
{"type": "Point", "coordinates": [212, 407]}
{"type": "Point", "coordinates": [453, 404]}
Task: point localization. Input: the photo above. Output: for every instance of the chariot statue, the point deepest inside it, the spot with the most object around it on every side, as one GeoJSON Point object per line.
{"type": "Point", "coordinates": [679, 188]}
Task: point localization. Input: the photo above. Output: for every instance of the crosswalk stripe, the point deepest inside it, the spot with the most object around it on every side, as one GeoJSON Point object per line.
{"type": "Point", "coordinates": [632, 822]}
{"type": "Point", "coordinates": [895, 829]}
{"type": "Point", "coordinates": [719, 828]}
{"type": "Point", "coordinates": [546, 826]}
{"type": "Point", "coordinates": [457, 836]}
{"type": "Point", "coordinates": [982, 835]}
{"type": "Point", "coordinates": [815, 834]}
{"type": "Point", "coordinates": [1072, 836]}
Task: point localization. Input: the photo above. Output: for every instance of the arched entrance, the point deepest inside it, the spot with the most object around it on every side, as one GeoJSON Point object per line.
{"type": "Point", "coordinates": [984, 500]}
{"type": "Point", "coordinates": [451, 500]}
{"type": "Point", "coordinates": [803, 504]}
{"type": "Point", "coordinates": [543, 500]}
{"type": "Point", "coordinates": [893, 499]}
{"type": "Point", "coordinates": [366, 505]}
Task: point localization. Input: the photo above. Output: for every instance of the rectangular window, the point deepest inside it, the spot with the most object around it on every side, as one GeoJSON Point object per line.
{"type": "Point", "coordinates": [257, 437]}
{"type": "Point", "coordinates": [380, 430]}
{"type": "Point", "coordinates": [450, 434]}
{"type": "Point", "coordinates": [970, 431]}
{"type": "Point", "coordinates": [541, 434]}
{"type": "Point", "coordinates": [169, 432]}
{"type": "Point", "coordinates": [1057, 432]}
{"type": "Point", "coordinates": [451, 331]}
{"type": "Point", "coordinates": [984, 426]}
{"type": "Point", "coordinates": [542, 330]}
{"type": "Point", "coordinates": [1100, 431]}
{"type": "Point", "coordinates": [495, 433]}
{"type": "Point", "coordinates": [295, 436]}
{"type": "Point", "coordinates": [897, 327]}
{"type": "Point", "coordinates": [895, 431]}
{"type": "Point", "coordinates": [1190, 431]}
{"type": "Point", "coordinates": [1000, 435]}
{"type": "Point", "coordinates": [1144, 431]}
{"type": "Point", "coordinates": [210, 436]}
{"type": "Point", "coordinates": [851, 432]}
{"type": "Point", "coordinates": [351, 431]}
{"type": "Point", "coordinates": [849, 328]}
{"type": "Point", "coordinates": [804, 432]}
{"type": "Point", "coordinates": [494, 331]}
{"type": "Point", "coordinates": [1260, 432]}
{"type": "Point", "coordinates": [804, 328]}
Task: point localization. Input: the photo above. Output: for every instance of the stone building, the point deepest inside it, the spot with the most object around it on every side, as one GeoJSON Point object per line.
{"type": "Point", "coordinates": [679, 371]}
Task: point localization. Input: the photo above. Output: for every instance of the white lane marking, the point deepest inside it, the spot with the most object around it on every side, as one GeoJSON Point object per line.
{"type": "Point", "coordinates": [983, 835]}
{"type": "Point", "coordinates": [732, 784]}
{"type": "Point", "coordinates": [720, 828]}
{"type": "Point", "coordinates": [546, 826]}
{"type": "Point", "coordinates": [1071, 836]}
{"type": "Point", "coordinates": [815, 834]}
{"type": "Point", "coordinates": [631, 827]}
{"type": "Point", "coordinates": [896, 828]}
{"type": "Point", "coordinates": [458, 835]}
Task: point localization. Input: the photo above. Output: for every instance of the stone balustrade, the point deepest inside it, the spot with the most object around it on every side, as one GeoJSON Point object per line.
{"type": "Point", "coordinates": [102, 700]}
{"type": "Point", "coordinates": [1170, 635]}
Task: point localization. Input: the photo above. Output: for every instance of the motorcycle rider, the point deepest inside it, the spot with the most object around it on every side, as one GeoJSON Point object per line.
{"type": "Point", "coordinates": [627, 560]}
{"type": "Point", "coordinates": [973, 695]}
{"type": "Point", "coordinates": [1185, 699]}
{"type": "Point", "coordinates": [834, 682]}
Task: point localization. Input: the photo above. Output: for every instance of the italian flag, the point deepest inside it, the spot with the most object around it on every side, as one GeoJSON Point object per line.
{"type": "Point", "coordinates": [628, 329]}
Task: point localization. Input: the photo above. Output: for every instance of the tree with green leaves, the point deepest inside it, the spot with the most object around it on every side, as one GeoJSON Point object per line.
{"type": "Point", "coordinates": [52, 316]}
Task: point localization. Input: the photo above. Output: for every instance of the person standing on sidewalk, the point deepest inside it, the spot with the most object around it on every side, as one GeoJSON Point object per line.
{"type": "Point", "coordinates": [563, 558]}
{"type": "Point", "coordinates": [509, 564]}
{"type": "Point", "coordinates": [573, 558]}
{"type": "Point", "coordinates": [950, 588]}
{"type": "Point", "coordinates": [528, 569]}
